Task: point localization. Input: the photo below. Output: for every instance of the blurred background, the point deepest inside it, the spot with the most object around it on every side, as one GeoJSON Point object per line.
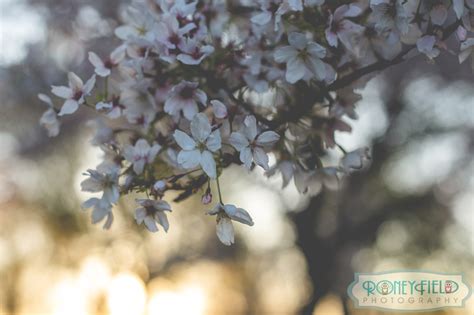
{"type": "Point", "coordinates": [411, 209]}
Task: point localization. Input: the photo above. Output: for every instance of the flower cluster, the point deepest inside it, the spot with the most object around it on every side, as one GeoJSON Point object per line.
{"type": "Point", "coordinates": [197, 86]}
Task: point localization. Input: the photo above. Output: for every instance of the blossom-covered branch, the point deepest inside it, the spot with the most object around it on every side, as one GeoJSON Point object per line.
{"type": "Point", "coordinates": [197, 86]}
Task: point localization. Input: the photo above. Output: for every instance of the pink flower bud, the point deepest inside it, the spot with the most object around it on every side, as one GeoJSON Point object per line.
{"type": "Point", "coordinates": [206, 198]}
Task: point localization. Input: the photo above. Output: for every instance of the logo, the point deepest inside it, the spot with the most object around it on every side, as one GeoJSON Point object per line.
{"type": "Point", "coordinates": [409, 290]}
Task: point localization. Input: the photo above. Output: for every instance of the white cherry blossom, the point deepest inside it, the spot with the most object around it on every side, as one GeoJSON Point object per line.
{"type": "Point", "coordinates": [103, 68]}
{"type": "Point", "coordinates": [152, 212]}
{"type": "Point", "coordinates": [302, 58]}
{"type": "Point", "coordinates": [340, 28]}
{"type": "Point", "coordinates": [198, 150]}
{"type": "Point", "coordinates": [74, 94]}
{"type": "Point", "coordinates": [251, 145]}
{"type": "Point", "coordinates": [225, 215]}
{"type": "Point", "coordinates": [141, 154]}
{"type": "Point", "coordinates": [184, 98]}
{"type": "Point", "coordinates": [192, 53]}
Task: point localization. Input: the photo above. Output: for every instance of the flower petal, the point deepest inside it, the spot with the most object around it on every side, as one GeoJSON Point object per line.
{"type": "Point", "coordinates": [283, 54]}
{"type": "Point", "coordinates": [225, 231]}
{"type": "Point", "coordinates": [238, 141]}
{"type": "Point", "coordinates": [297, 40]}
{"type": "Point", "coordinates": [219, 109]}
{"type": "Point", "coordinates": [208, 164]}
{"type": "Point", "coordinates": [70, 106]}
{"type": "Point", "coordinates": [267, 138]}
{"type": "Point", "coordinates": [238, 214]}
{"type": "Point", "coordinates": [140, 215]}
{"type": "Point", "coordinates": [246, 157]}
{"type": "Point", "coordinates": [150, 224]}
{"type": "Point", "coordinates": [183, 140]}
{"type": "Point", "coordinates": [75, 82]}
{"type": "Point", "coordinates": [262, 18]}
{"type": "Point", "coordinates": [161, 217]}
{"type": "Point", "coordinates": [189, 159]}
{"type": "Point", "coordinates": [213, 142]}
{"type": "Point", "coordinates": [250, 130]}
{"type": "Point", "coordinates": [295, 70]}
{"type": "Point", "coordinates": [62, 91]}
{"type": "Point", "coordinates": [200, 127]}
{"type": "Point", "coordinates": [260, 157]}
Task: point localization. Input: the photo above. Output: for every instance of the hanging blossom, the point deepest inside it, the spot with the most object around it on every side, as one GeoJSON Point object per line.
{"type": "Point", "coordinates": [152, 212]}
{"type": "Point", "coordinates": [194, 87]}
{"type": "Point", "coordinates": [225, 215]}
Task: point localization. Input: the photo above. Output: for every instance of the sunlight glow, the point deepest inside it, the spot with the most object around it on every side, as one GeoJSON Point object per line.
{"type": "Point", "coordinates": [126, 295]}
{"type": "Point", "coordinates": [190, 300]}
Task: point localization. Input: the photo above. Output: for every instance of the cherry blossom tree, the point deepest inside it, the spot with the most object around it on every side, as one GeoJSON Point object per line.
{"type": "Point", "coordinates": [179, 96]}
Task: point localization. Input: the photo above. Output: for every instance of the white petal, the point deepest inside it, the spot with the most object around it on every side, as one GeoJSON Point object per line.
{"type": "Point", "coordinates": [103, 105]}
{"type": "Point", "coordinates": [238, 214]}
{"type": "Point", "coordinates": [262, 18]}
{"type": "Point", "coordinates": [267, 138]}
{"type": "Point", "coordinates": [162, 205]}
{"type": "Point", "coordinates": [246, 157]}
{"type": "Point", "coordinates": [138, 166]}
{"type": "Point", "coordinates": [316, 50]}
{"type": "Point", "coordinates": [250, 130]}
{"type": "Point", "coordinates": [458, 6]}
{"type": "Point", "coordinates": [95, 60]}
{"type": "Point", "coordinates": [213, 142]}
{"type": "Point", "coordinates": [140, 215]}
{"type": "Point", "coordinates": [317, 67]}
{"type": "Point", "coordinates": [190, 109]}
{"type": "Point", "coordinates": [125, 31]}
{"type": "Point", "coordinates": [260, 157]}
{"type": "Point", "coordinates": [102, 71]}
{"type": "Point", "coordinates": [141, 147]}
{"type": "Point", "coordinates": [46, 99]}
{"type": "Point", "coordinates": [238, 141]}
{"type": "Point", "coordinates": [89, 85]}
{"type": "Point", "coordinates": [225, 231]}
{"type": "Point", "coordinates": [297, 40]}
{"type": "Point", "coordinates": [75, 82]}
{"type": "Point", "coordinates": [283, 54]}
{"type": "Point", "coordinates": [70, 106]}
{"type": "Point", "coordinates": [200, 127]}
{"type": "Point", "coordinates": [62, 91]}
{"type": "Point", "coordinates": [163, 220]}
{"type": "Point", "coordinates": [201, 97]}
{"type": "Point", "coordinates": [118, 54]}
{"type": "Point", "coordinates": [153, 152]}
{"type": "Point", "coordinates": [353, 11]}
{"type": "Point", "coordinates": [208, 164]}
{"type": "Point", "coordinates": [183, 140]}
{"type": "Point", "coordinates": [150, 224]}
{"type": "Point", "coordinates": [189, 159]}
{"type": "Point", "coordinates": [89, 203]}
{"type": "Point", "coordinates": [295, 70]}
{"type": "Point", "coordinates": [219, 109]}
{"type": "Point", "coordinates": [331, 38]}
